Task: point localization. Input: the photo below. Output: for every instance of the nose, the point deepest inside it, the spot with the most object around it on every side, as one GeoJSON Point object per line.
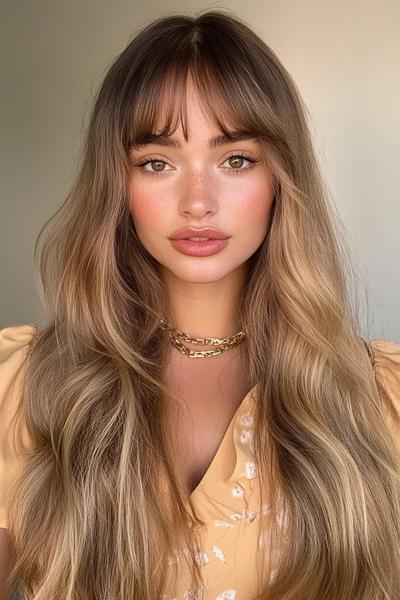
{"type": "Point", "coordinates": [197, 196]}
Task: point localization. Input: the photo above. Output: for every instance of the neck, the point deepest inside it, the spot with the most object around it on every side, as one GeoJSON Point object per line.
{"type": "Point", "coordinates": [205, 309]}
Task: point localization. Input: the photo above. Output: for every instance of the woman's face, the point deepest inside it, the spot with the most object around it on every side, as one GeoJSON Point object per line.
{"type": "Point", "coordinates": [194, 185]}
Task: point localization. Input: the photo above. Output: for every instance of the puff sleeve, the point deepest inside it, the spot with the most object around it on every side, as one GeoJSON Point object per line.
{"type": "Point", "coordinates": [15, 342]}
{"type": "Point", "coordinates": [385, 356]}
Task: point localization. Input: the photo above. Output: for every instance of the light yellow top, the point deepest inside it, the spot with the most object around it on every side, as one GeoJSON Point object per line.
{"type": "Point", "coordinates": [227, 496]}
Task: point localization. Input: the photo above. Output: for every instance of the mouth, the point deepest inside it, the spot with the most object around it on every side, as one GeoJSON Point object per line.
{"type": "Point", "coordinates": [199, 246]}
{"type": "Point", "coordinates": [196, 234]}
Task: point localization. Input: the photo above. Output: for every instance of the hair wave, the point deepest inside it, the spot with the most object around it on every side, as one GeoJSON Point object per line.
{"type": "Point", "coordinates": [99, 506]}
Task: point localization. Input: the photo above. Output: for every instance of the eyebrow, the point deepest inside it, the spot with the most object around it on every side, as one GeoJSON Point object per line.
{"type": "Point", "coordinates": [213, 142]}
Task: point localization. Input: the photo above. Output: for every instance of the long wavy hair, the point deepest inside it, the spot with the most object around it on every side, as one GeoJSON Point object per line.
{"type": "Point", "coordinates": [98, 507]}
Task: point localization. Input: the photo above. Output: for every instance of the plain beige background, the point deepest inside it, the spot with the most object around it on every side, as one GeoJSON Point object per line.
{"type": "Point", "coordinates": [344, 57]}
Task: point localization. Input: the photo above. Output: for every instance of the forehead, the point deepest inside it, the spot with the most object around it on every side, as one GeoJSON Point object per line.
{"type": "Point", "coordinates": [177, 103]}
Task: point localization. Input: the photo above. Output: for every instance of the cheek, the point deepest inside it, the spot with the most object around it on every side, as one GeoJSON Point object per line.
{"type": "Point", "coordinates": [254, 204]}
{"type": "Point", "coordinates": [144, 207]}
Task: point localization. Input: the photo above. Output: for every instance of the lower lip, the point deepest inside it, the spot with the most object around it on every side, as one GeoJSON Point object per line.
{"type": "Point", "coordinates": [199, 248]}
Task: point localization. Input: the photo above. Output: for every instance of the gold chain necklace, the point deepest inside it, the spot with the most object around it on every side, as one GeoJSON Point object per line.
{"type": "Point", "coordinates": [223, 343]}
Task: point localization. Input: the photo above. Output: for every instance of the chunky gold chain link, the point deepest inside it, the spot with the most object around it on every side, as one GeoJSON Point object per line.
{"type": "Point", "coordinates": [175, 336]}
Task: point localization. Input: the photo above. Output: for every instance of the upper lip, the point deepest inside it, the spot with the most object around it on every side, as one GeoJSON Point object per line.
{"type": "Point", "coordinates": [208, 232]}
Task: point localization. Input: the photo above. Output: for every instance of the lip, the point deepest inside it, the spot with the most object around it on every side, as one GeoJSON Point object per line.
{"type": "Point", "coordinates": [210, 232]}
{"type": "Point", "coordinates": [191, 248]}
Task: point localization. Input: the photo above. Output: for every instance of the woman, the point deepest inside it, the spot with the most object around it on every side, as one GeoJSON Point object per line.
{"type": "Point", "coordinates": [133, 470]}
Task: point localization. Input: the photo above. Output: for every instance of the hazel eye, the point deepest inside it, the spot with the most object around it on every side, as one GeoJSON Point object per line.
{"type": "Point", "coordinates": [236, 163]}
{"type": "Point", "coordinates": [236, 160]}
{"type": "Point", "coordinates": [157, 165]}
{"type": "Point", "coordinates": [154, 161]}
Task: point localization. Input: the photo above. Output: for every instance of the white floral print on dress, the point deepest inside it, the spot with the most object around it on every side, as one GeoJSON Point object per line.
{"type": "Point", "coordinates": [236, 516]}
{"type": "Point", "coordinates": [222, 523]}
{"type": "Point", "coordinates": [201, 558]}
{"type": "Point", "coordinates": [174, 557]}
{"type": "Point", "coordinates": [250, 470]}
{"type": "Point", "coordinates": [247, 419]}
{"type": "Point", "coordinates": [249, 515]}
{"type": "Point", "coordinates": [227, 595]}
{"type": "Point", "coordinates": [218, 552]}
{"type": "Point", "coordinates": [237, 490]}
{"type": "Point", "coordinates": [246, 436]}
{"type": "Point", "coordinates": [265, 509]}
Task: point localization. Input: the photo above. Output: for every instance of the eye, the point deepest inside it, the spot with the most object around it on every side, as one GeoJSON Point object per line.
{"type": "Point", "coordinates": [236, 162]}
{"type": "Point", "coordinates": [151, 161]}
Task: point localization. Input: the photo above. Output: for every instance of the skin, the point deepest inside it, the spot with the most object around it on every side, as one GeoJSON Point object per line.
{"type": "Point", "coordinates": [198, 187]}
{"type": "Point", "coordinates": [5, 563]}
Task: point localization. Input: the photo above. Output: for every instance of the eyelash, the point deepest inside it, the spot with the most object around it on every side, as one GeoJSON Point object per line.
{"type": "Point", "coordinates": [239, 171]}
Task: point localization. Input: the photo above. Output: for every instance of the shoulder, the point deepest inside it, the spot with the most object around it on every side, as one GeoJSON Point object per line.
{"type": "Point", "coordinates": [15, 342]}
{"type": "Point", "coordinates": [13, 338]}
{"type": "Point", "coordinates": [385, 358]}
{"type": "Point", "coordinates": [386, 364]}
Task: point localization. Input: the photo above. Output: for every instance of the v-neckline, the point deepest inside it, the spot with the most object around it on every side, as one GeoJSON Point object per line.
{"type": "Point", "coordinates": [226, 440]}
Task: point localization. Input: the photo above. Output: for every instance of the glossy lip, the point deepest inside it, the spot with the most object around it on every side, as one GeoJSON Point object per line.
{"type": "Point", "coordinates": [191, 248]}
{"type": "Point", "coordinates": [209, 232]}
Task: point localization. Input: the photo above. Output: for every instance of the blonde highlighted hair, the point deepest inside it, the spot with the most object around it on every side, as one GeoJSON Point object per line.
{"type": "Point", "coordinates": [99, 508]}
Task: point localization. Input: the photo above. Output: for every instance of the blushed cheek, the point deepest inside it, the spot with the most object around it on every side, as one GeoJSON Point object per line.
{"type": "Point", "coordinates": [256, 210]}
{"type": "Point", "coordinates": [143, 208]}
